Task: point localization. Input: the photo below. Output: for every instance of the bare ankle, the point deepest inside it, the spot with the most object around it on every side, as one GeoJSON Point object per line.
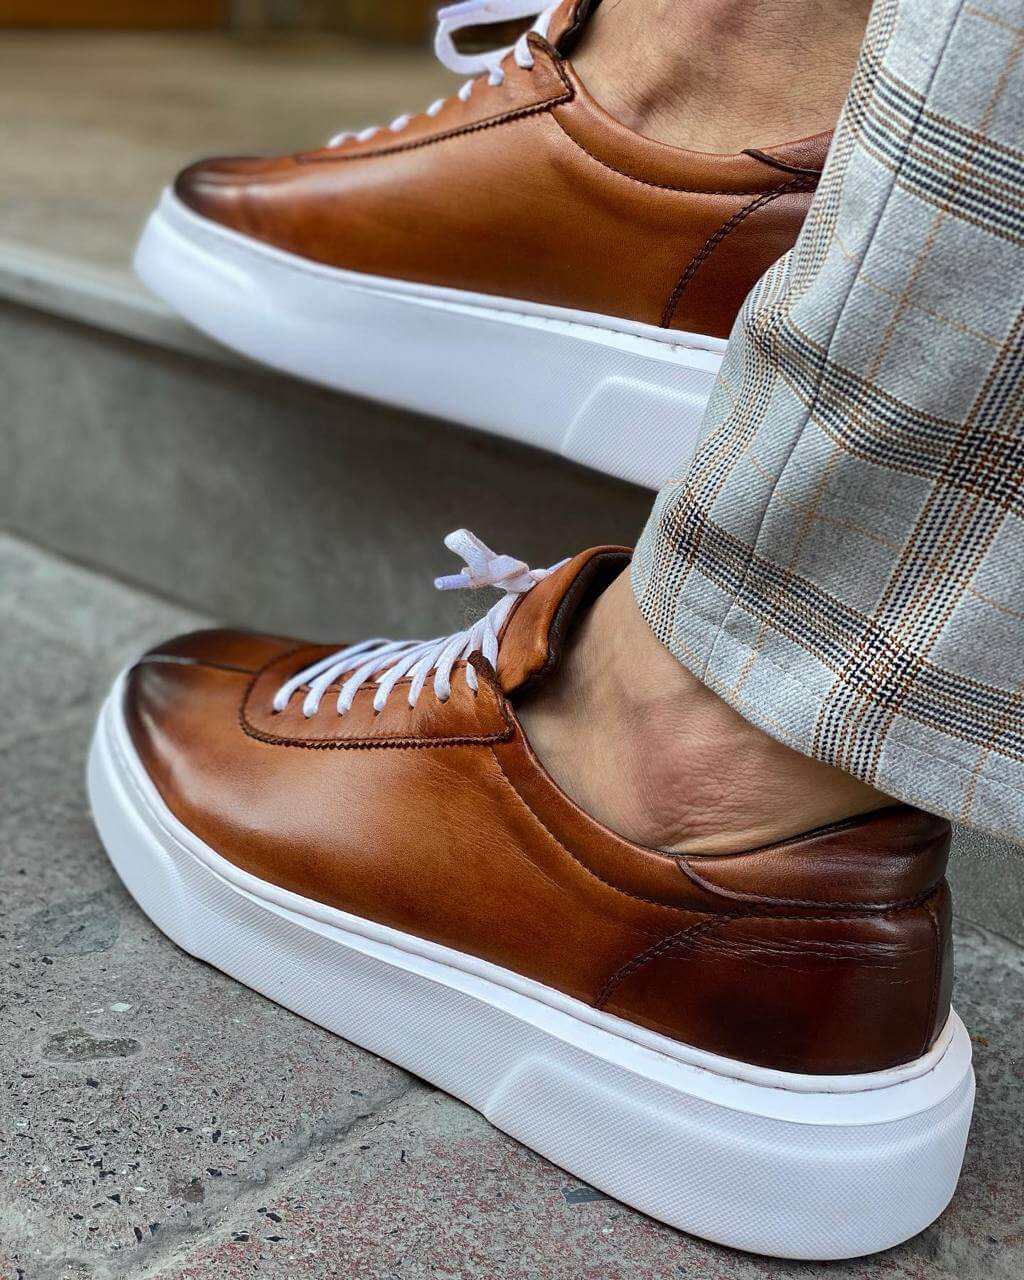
{"type": "Point", "coordinates": [723, 75]}
{"type": "Point", "coordinates": [647, 749]}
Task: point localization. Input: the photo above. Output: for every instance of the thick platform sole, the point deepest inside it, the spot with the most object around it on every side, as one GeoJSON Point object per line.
{"type": "Point", "coordinates": [790, 1165]}
{"type": "Point", "coordinates": [624, 398]}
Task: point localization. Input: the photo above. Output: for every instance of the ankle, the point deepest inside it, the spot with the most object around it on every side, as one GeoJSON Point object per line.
{"type": "Point", "coordinates": [723, 75]}
{"type": "Point", "coordinates": [648, 750]}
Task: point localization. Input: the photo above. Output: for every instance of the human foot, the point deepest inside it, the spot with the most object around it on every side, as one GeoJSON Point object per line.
{"type": "Point", "coordinates": [708, 74]}
{"type": "Point", "coordinates": [756, 1048]}
{"type": "Point", "coordinates": [646, 748]}
{"type": "Point", "coordinates": [513, 258]}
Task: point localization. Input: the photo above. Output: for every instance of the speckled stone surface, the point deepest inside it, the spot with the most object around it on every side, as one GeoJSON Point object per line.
{"type": "Point", "coordinates": [159, 1120]}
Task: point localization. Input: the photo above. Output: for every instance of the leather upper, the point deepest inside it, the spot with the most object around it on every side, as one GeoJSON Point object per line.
{"type": "Point", "coordinates": [530, 190]}
{"type": "Point", "coordinates": [829, 953]}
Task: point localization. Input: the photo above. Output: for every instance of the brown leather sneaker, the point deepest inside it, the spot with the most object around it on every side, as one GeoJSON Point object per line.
{"type": "Point", "coordinates": [756, 1047]}
{"type": "Point", "coordinates": [512, 258]}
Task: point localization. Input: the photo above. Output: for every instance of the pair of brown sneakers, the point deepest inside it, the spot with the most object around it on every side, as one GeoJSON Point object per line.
{"type": "Point", "coordinates": [756, 1047]}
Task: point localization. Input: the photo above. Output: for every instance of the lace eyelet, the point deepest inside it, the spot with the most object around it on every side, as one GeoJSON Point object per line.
{"type": "Point", "coordinates": [453, 19]}
{"type": "Point", "coordinates": [387, 662]}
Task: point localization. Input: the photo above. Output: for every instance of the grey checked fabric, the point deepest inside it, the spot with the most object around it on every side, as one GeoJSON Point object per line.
{"type": "Point", "coordinates": [844, 561]}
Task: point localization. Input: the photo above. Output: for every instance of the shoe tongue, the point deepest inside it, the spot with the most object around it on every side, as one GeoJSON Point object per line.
{"type": "Point", "coordinates": [567, 24]}
{"type": "Point", "coordinates": [533, 637]}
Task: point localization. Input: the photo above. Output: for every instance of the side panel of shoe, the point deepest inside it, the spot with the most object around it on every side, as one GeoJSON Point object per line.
{"type": "Point", "coordinates": [705, 227]}
{"type": "Point", "coordinates": [827, 954]}
{"type": "Point", "coordinates": [402, 870]}
{"type": "Point", "coordinates": [531, 191]}
{"type": "Point", "coordinates": [834, 994]}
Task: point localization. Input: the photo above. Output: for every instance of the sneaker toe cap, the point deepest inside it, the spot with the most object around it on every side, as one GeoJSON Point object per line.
{"type": "Point", "coordinates": [220, 646]}
{"type": "Point", "coordinates": [181, 698]}
{"type": "Point", "coordinates": [234, 191]}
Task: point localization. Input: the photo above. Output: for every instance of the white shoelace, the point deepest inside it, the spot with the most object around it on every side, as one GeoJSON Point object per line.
{"type": "Point", "coordinates": [386, 662]}
{"type": "Point", "coordinates": [470, 13]}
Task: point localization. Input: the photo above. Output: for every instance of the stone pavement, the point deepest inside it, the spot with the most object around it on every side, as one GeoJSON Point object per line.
{"type": "Point", "coordinates": [158, 1120]}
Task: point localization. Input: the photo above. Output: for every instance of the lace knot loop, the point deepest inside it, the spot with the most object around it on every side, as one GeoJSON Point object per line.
{"type": "Point", "coordinates": [386, 662]}
{"type": "Point", "coordinates": [483, 568]}
{"type": "Point", "coordinates": [477, 13]}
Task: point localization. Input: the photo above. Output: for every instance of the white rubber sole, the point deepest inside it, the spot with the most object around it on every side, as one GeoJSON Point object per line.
{"type": "Point", "coordinates": [624, 398]}
{"type": "Point", "coordinates": [790, 1165]}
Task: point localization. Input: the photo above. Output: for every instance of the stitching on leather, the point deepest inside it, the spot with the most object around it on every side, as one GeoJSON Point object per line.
{"type": "Point", "coordinates": [682, 939]}
{"type": "Point", "coordinates": [518, 113]}
{"type": "Point", "coordinates": [181, 660]}
{"type": "Point", "coordinates": [897, 904]}
{"type": "Point", "coordinates": [625, 893]}
{"type": "Point", "coordinates": [936, 976]}
{"type": "Point", "coordinates": [660, 186]}
{"type": "Point", "coordinates": [784, 949]}
{"type": "Point", "coordinates": [254, 248]}
{"type": "Point", "coordinates": [760, 907]}
{"type": "Point", "coordinates": [638, 961]}
{"type": "Point", "coordinates": [712, 243]}
{"type": "Point", "coordinates": [366, 744]}
{"type": "Point", "coordinates": [805, 171]}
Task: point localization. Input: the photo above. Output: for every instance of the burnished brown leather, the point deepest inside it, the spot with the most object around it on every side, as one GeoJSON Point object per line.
{"type": "Point", "coordinates": [828, 953]}
{"type": "Point", "coordinates": [530, 190]}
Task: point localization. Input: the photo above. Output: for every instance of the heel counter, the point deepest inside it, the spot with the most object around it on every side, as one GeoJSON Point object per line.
{"type": "Point", "coordinates": [818, 995]}
{"type": "Point", "coordinates": [744, 246]}
{"type": "Point", "coordinates": [940, 909]}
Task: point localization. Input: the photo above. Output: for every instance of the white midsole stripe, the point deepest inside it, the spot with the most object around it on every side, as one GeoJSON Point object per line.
{"type": "Point", "coordinates": [616, 330]}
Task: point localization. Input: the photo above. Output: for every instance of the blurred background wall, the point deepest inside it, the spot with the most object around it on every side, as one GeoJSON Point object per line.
{"type": "Point", "coordinates": [404, 21]}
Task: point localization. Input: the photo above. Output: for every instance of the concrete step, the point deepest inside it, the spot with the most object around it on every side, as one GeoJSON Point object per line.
{"type": "Point", "coordinates": [163, 1121]}
{"type": "Point", "coordinates": [139, 447]}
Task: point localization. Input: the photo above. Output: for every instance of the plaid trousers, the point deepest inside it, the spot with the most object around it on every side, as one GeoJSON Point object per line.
{"type": "Point", "coordinates": [844, 560]}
